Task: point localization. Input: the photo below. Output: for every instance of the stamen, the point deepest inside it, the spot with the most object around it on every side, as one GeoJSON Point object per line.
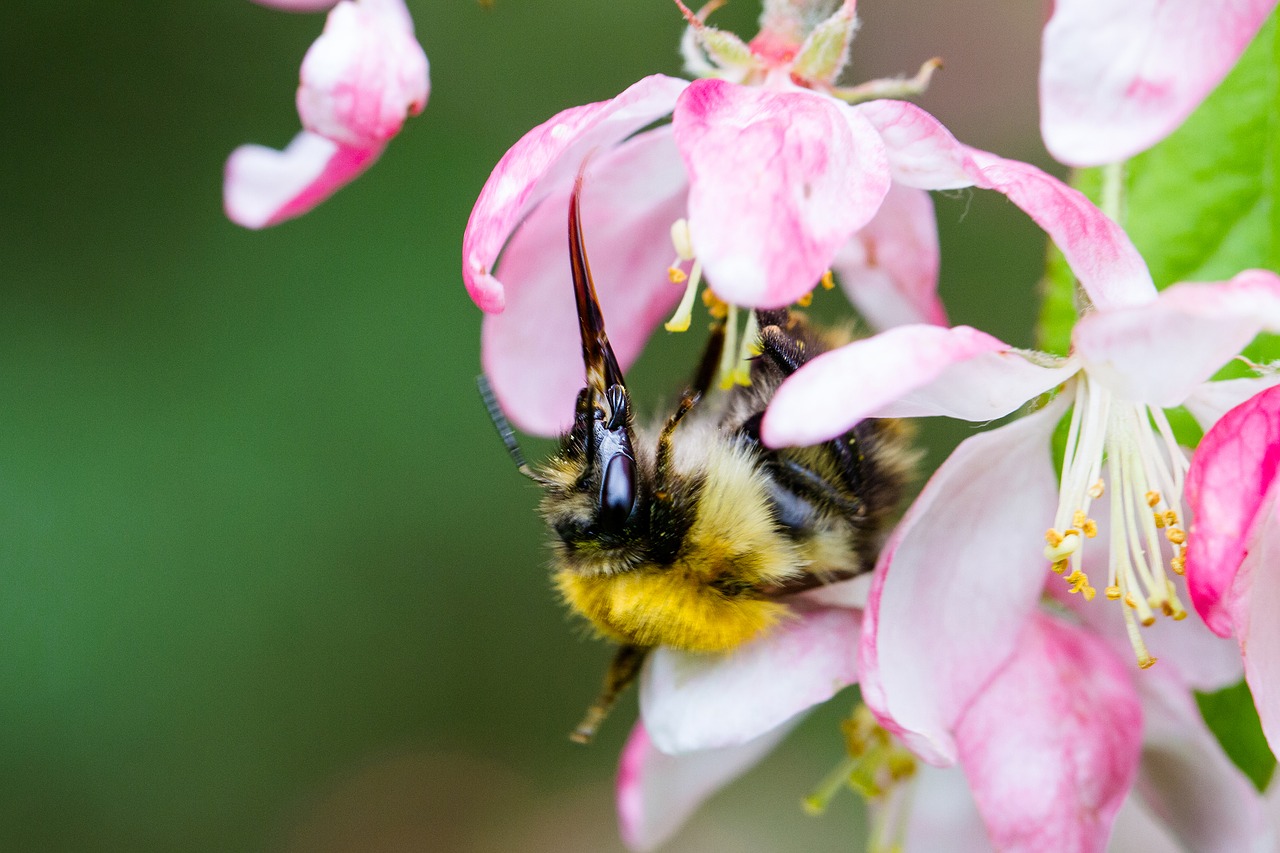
{"type": "Point", "coordinates": [682, 239]}
{"type": "Point", "coordinates": [729, 355]}
{"type": "Point", "coordinates": [828, 280]}
{"type": "Point", "coordinates": [680, 321]}
{"type": "Point", "coordinates": [806, 300]}
{"type": "Point", "coordinates": [748, 348]}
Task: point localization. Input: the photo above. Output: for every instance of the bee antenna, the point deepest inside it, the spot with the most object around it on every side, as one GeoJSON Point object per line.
{"type": "Point", "coordinates": [505, 432]}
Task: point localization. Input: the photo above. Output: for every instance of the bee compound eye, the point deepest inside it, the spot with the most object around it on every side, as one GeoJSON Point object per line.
{"type": "Point", "coordinates": [617, 492]}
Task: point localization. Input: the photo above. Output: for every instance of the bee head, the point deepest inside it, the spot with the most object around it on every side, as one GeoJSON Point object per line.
{"type": "Point", "coordinates": [602, 423]}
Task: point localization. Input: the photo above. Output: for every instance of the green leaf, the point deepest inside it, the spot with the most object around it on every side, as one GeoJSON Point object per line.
{"type": "Point", "coordinates": [1233, 720]}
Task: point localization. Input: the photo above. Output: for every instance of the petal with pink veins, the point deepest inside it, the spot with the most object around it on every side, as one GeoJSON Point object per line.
{"type": "Point", "coordinates": [1228, 488]}
{"type": "Point", "coordinates": [1254, 601]}
{"type": "Point", "coordinates": [532, 352]}
{"type": "Point", "coordinates": [691, 702]}
{"type": "Point", "coordinates": [889, 270]}
{"type": "Point", "coordinates": [1051, 745]}
{"type": "Point", "coordinates": [907, 371]}
{"type": "Point", "coordinates": [923, 153]}
{"type": "Point", "coordinates": [364, 74]}
{"type": "Point", "coordinates": [778, 182]}
{"type": "Point", "coordinates": [1117, 78]}
{"type": "Point", "coordinates": [957, 582]}
{"type": "Point", "coordinates": [546, 159]}
{"type": "Point", "coordinates": [1185, 779]}
{"type": "Point", "coordinates": [1159, 352]}
{"type": "Point", "coordinates": [263, 187]}
{"type": "Point", "coordinates": [657, 793]}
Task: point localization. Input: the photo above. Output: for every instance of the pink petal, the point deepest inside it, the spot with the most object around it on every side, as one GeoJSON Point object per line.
{"type": "Point", "coordinates": [1050, 746]}
{"type": "Point", "coordinates": [657, 793]}
{"type": "Point", "coordinates": [1186, 780]}
{"type": "Point", "coordinates": [889, 270]}
{"type": "Point", "coordinates": [778, 182]}
{"type": "Point", "coordinates": [1136, 830]}
{"type": "Point", "coordinates": [1116, 78]}
{"type": "Point", "coordinates": [942, 815]}
{"type": "Point", "coordinates": [531, 352]}
{"type": "Point", "coordinates": [364, 74]}
{"type": "Point", "coordinates": [1227, 489]}
{"type": "Point", "coordinates": [957, 582]}
{"type": "Point", "coordinates": [907, 371]}
{"type": "Point", "coordinates": [1158, 352]}
{"type": "Point", "coordinates": [923, 153]}
{"type": "Point", "coordinates": [263, 187]}
{"type": "Point", "coordinates": [546, 158]}
{"type": "Point", "coordinates": [691, 702]}
{"type": "Point", "coordinates": [1254, 601]}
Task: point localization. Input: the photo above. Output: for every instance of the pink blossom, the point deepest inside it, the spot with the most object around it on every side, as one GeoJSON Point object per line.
{"type": "Point", "coordinates": [1231, 554]}
{"type": "Point", "coordinates": [1049, 750]}
{"type": "Point", "coordinates": [832, 186]}
{"type": "Point", "coordinates": [1116, 78]}
{"type": "Point", "coordinates": [359, 81]}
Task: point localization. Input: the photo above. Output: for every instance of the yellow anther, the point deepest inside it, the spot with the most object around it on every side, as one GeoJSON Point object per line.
{"type": "Point", "coordinates": [1079, 582]}
{"type": "Point", "coordinates": [1067, 544]}
{"type": "Point", "coordinates": [1129, 600]}
{"type": "Point", "coordinates": [806, 300]}
{"type": "Point", "coordinates": [1058, 566]}
{"type": "Point", "coordinates": [1179, 615]}
{"type": "Point", "coordinates": [1090, 528]}
{"type": "Point", "coordinates": [716, 307]}
{"type": "Point", "coordinates": [1113, 593]}
{"type": "Point", "coordinates": [1097, 489]}
{"type": "Point", "coordinates": [1148, 620]}
{"type": "Point", "coordinates": [1176, 535]}
{"type": "Point", "coordinates": [1171, 518]}
{"type": "Point", "coordinates": [1153, 498]}
{"type": "Point", "coordinates": [1179, 561]}
{"type": "Point", "coordinates": [1146, 662]}
{"type": "Point", "coordinates": [675, 275]}
{"type": "Point", "coordinates": [1159, 517]}
{"type": "Point", "coordinates": [1078, 518]}
{"type": "Point", "coordinates": [828, 280]}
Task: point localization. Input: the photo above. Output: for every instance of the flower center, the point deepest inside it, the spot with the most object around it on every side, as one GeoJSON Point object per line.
{"type": "Point", "coordinates": [1144, 472]}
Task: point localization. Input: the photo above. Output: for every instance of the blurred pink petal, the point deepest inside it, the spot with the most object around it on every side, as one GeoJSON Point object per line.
{"type": "Point", "coordinates": [531, 352]}
{"type": "Point", "coordinates": [1187, 781]}
{"type": "Point", "coordinates": [778, 182]}
{"type": "Point", "coordinates": [1159, 352]}
{"type": "Point", "coordinates": [1116, 78]}
{"type": "Point", "coordinates": [944, 815]}
{"type": "Point", "coordinates": [957, 582]}
{"type": "Point", "coordinates": [905, 371]}
{"type": "Point", "coordinates": [1050, 744]}
{"type": "Point", "coordinates": [691, 702]}
{"type": "Point", "coordinates": [657, 793]}
{"type": "Point", "coordinates": [298, 5]}
{"type": "Point", "coordinates": [924, 154]}
{"type": "Point", "coordinates": [1136, 830]}
{"type": "Point", "coordinates": [889, 270]}
{"type": "Point", "coordinates": [263, 187]}
{"type": "Point", "coordinates": [364, 74]}
{"type": "Point", "coordinates": [1229, 488]}
{"type": "Point", "coordinates": [546, 159]}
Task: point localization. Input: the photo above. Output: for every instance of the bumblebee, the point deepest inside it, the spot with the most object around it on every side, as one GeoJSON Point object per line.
{"type": "Point", "coordinates": [693, 534]}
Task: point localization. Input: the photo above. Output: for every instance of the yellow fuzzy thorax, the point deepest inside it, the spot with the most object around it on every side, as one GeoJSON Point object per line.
{"type": "Point", "coordinates": [705, 600]}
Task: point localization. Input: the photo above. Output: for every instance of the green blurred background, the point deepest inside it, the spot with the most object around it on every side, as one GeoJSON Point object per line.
{"type": "Point", "coordinates": [267, 579]}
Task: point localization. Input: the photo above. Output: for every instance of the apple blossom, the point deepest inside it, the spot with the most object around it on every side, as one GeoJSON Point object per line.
{"type": "Point", "coordinates": [1060, 738]}
{"type": "Point", "coordinates": [1116, 78]}
{"type": "Point", "coordinates": [359, 81]}
{"type": "Point", "coordinates": [1231, 491]}
{"type": "Point", "coordinates": [833, 185]}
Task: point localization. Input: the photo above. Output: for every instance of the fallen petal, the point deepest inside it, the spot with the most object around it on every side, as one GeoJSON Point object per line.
{"type": "Point", "coordinates": [264, 187]}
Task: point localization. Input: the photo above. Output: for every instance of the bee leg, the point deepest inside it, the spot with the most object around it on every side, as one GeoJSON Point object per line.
{"type": "Point", "coordinates": [622, 671]}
